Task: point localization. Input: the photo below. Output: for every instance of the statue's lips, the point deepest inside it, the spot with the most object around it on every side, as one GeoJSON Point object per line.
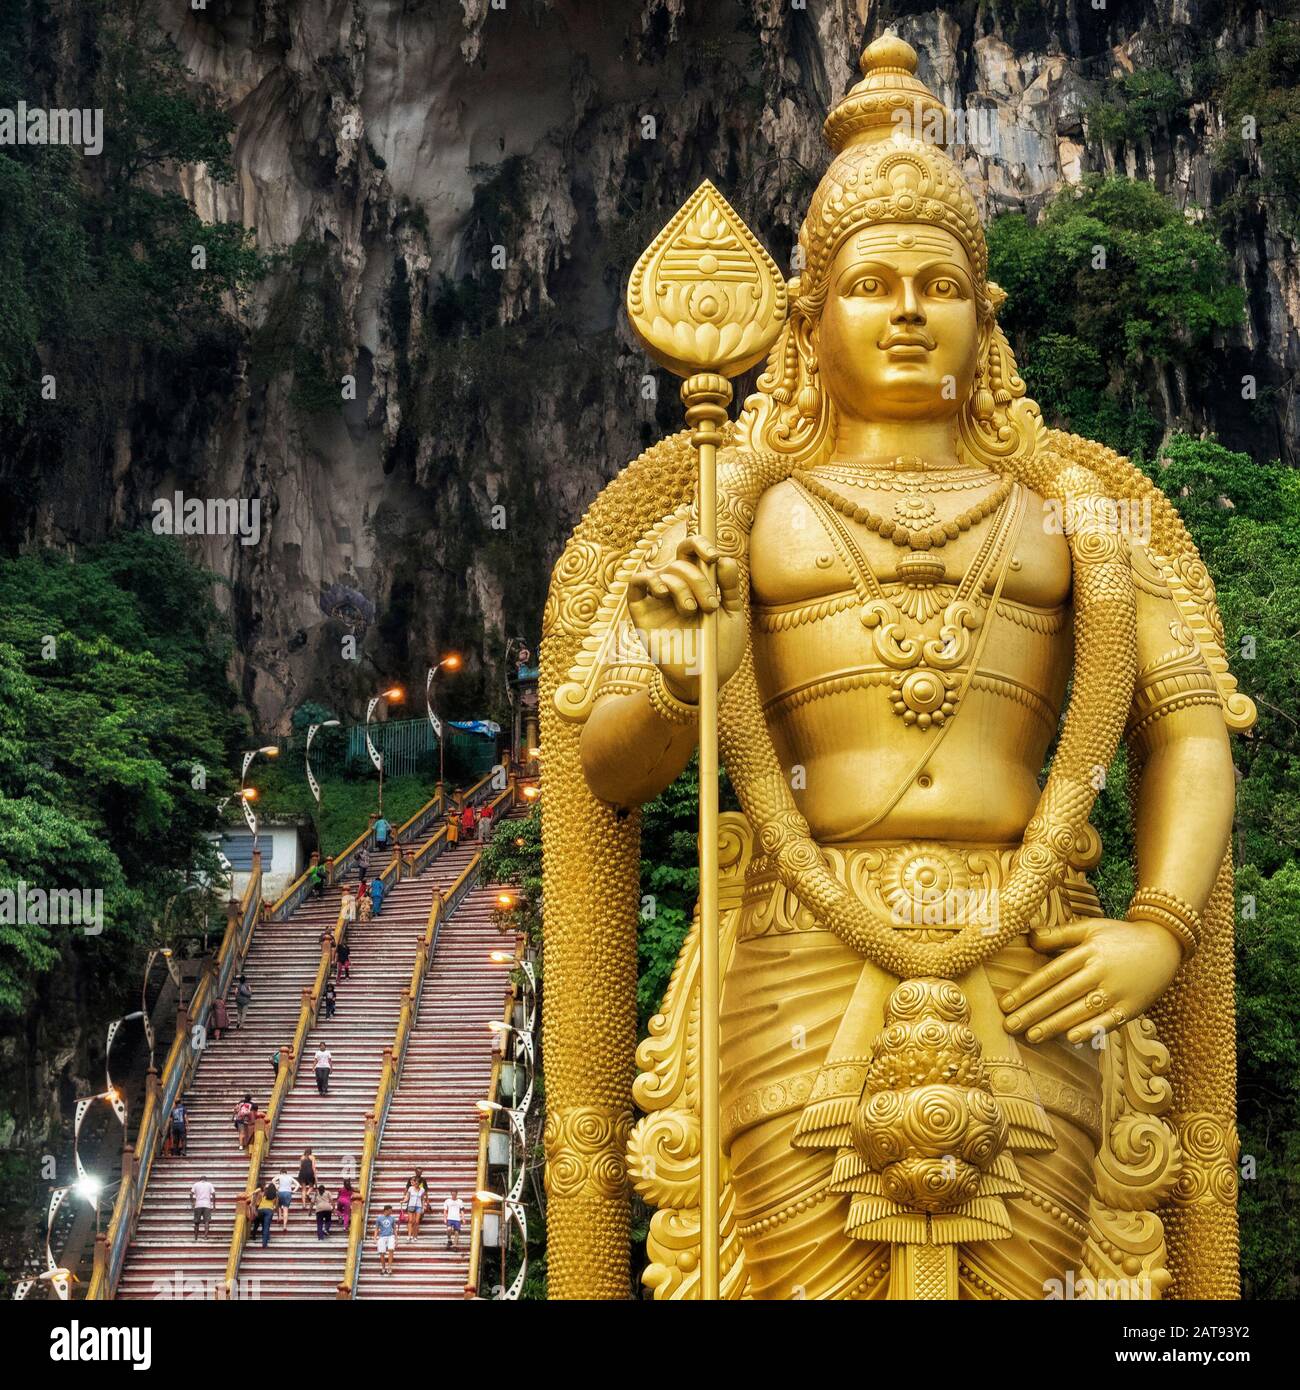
{"type": "Point", "coordinates": [907, 349]}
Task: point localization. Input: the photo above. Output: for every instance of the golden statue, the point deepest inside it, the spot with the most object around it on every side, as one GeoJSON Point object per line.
{"type": "Point", "coordinates": [943, 1073]}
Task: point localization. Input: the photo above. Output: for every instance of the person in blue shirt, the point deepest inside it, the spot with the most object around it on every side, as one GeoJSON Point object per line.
{"type": "Point", "coordinates": [382, 832]}
{"type": "Point", "coordinates": [376, 895]}
{"type": "Point", "coordinates": [386, 1238]}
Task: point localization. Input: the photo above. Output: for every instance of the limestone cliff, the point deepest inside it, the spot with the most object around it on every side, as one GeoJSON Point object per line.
{"type": "Point", "coordinates": [464, 187]}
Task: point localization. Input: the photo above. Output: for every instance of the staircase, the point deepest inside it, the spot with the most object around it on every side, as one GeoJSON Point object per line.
{"type": "Point", "coordinates": [333, 1126]}
{"type": "Point", "coordinates": [164, 1261]}
{"type": "Point", "coordinates": [432, 1122]}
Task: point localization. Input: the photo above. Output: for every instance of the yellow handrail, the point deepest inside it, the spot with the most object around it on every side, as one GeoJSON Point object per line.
{"type": "Point", "coordinates": [410, 820]}
{"type": "Point", "coordinates": [480, 1177]}
{"type": "Point", "coordinates": [284, 1082]}
{"type": "Point", "coordinates": [485, 1128]}
{"type": "Point", "coordinates": [383, 1094]}
{"type": "Point", "coordinates": [393, 1057]}
{"type": "Point", "coordinates": [177, 1067]}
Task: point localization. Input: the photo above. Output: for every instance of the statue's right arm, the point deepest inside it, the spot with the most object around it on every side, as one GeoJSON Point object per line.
{"type": "Point", "coordinates": [636, 741]}
{"type": "Point", "coordinates": [630, 753]}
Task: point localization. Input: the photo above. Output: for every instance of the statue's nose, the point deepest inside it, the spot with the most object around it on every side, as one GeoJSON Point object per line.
{"type": "Point", "coordinates": [907, 308]}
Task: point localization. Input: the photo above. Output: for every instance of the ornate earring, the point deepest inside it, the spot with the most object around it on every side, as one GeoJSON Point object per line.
{"type": "Point", "coordinates": [810, 395]}
{"type": "Point", "coordinates": [984, 398]}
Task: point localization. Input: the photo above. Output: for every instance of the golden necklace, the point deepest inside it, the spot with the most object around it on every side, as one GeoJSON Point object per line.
{"type": "Point", "coordinates": [912, 525]}
{"type": "Point", "coordinates": [912, 481]}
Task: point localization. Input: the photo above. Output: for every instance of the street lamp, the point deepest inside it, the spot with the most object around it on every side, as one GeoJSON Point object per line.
{"type": "Point", "coordinates": [525, 967]}
{"type": "Point", "coordinates": [524, 1043]}
{"type": "Point", "coordinates": [452, 662]}
{"type": "Point", "coordinates": [312, 731]}
{"type": "Point", "coordinates": [248, 794]}
{"type": "Point", "coordinates": [394, 695]}
{"type": "Point", "coordinates": [511, 1210]}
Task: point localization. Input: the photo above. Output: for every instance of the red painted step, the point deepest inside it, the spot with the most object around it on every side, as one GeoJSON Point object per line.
{"type": "Point", "coordinates": [432, 1121]}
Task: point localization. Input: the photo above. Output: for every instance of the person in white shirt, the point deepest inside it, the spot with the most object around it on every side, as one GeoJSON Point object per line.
{"type": "Point", "coordinates": [323, 1063]}
{"type": "Point", "coordinates": [285, 1185]}
{"type": "Point", "coordinates": [203, 1198]}
{"type": "Point", "coordinates": [453, 1209]}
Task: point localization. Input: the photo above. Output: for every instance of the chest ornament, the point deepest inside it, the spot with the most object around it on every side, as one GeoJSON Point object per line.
{"type": "Point", "coordinates": [926, 686]}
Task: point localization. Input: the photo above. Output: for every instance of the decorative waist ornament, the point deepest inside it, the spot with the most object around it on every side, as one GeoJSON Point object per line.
{"type": "Point", "coordinates": [891, 306]}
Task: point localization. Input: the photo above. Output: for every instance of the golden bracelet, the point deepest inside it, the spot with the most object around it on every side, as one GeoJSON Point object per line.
{"type": "Point", "coordinates": [666, 705]}
{"type": "Point", "coordinates": [1179, 918]}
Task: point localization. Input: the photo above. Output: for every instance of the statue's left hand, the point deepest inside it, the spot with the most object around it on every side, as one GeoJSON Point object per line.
{"type": "Point", "coordinates": [1107, 973]}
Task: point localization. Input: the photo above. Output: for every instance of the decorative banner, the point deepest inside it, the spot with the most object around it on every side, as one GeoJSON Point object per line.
{"type": "Point", "coordinates": [115, 1099]}
{"type": "Point", "coordinates": [428, 701]}
{"type": "Point", "coordinates": [375, 756]}
{"type": "Point", "coordinates": [56, 1201]}
{"type": "Point", "coordinates": [61, 1279]}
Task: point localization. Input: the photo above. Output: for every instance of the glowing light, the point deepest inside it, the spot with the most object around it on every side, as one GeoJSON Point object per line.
{"type": "Point", "coordinates": [89, 1189]}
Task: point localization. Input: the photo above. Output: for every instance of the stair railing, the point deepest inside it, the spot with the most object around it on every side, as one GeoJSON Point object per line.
{"type": "Point", "coordinates": [394, 1056]}
{"type": "Point", "coordinates": [431, 810]}
{"type": "Point", "coordinates": [510, 1209]}
{"type": "Point", "coordinates": [444, 904]}
{"type": "Point", "coordinates": [285, 1080]}
{"type": "Point", "coordinates": [187, 1046]}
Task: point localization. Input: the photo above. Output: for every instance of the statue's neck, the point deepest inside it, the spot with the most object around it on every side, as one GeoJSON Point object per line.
{"type": "Point", "coordinates": [877, 443]}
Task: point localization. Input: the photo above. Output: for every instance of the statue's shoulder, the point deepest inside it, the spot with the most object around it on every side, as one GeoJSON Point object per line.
{"type": "Point", "coordinates": [1163, 556]}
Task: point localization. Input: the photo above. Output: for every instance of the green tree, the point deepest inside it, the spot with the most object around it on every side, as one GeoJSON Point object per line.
{"type": "Point", "coordinates": [116, 720]}
{"type": "Point", "coordinates": [103, 274]}
{"type": "Point", "coordinates": [1111, 285]}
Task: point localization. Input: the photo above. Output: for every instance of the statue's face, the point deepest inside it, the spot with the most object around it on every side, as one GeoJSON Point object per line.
{"type": "Point", "coordinates": [898, 338]}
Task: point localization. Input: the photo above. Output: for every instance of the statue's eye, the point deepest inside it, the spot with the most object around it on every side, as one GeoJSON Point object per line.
{"type": "Point", "coordinates": [869, 284]}
{"type": "Point", "coordinates": [944, 288]}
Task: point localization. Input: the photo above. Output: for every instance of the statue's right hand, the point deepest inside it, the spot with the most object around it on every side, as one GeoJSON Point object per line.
{"type": "Point", "coordinates": [667, 606]}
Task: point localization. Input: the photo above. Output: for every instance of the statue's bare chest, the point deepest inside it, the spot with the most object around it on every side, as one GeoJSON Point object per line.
{"type": "Point", "coordinates": [803, 548]}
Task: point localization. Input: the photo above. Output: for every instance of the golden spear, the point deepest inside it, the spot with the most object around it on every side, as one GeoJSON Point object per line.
{"type": "Point", "coordinates": [708, 302]}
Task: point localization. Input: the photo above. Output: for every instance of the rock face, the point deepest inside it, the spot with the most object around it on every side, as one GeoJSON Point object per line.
{"type": "Point", "coordinates": [467, 185]}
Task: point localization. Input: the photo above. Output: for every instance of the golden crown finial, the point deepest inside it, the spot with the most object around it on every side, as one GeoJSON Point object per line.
{"type": "Point", "coordinates": [888, 53]}
{"type": "Point", "coordinates": [890, 93]}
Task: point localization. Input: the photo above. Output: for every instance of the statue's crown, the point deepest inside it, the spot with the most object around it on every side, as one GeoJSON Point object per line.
{"type": "Point", "coordinates": [889, 135]}
{"type": "Point", "coordinates": [871, 110]}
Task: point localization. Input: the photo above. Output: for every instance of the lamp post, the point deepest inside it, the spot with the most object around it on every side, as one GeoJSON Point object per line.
{"type": "Point", "coordinates": [312, 731]}
{"type": "Point", "coordinates": [452, 662]}
{"type": "Point", "coordinates": [524, 1043]}
{"type": "Point", "coordinates": [247, 794]}
{"type": "Point", "coordinates": [394, 695]}
{"type": "Point", "coordinates": [525, 967]}
{"type": "Point", "coordinates": [511, 1210]}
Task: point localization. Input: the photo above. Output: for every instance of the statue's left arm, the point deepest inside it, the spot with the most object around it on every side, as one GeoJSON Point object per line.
{"type": "Point", "coordinates": [1107, 972]}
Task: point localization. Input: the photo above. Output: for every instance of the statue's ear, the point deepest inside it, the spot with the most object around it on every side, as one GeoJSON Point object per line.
{"type": "Point", "coordinates": [997, 296]}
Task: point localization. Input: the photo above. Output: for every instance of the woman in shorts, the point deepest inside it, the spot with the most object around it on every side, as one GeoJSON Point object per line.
{"type": "Point", "coordinates": [417, 1194]}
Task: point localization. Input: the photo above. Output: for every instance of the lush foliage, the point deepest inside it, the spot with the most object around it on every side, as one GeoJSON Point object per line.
{"type": "Point", "coordinates": [1245, 518]}
{"type": "Point", "coordinates": [1133, 106]}
{"type": "Point", "coordinates": [115, 720]}
{"type": "Point", "coordinates": [1112, 284]}
{"type": "Point", "coordinates": [98, 268]}
{"type": "Point", "coordinates": [1260, 96]}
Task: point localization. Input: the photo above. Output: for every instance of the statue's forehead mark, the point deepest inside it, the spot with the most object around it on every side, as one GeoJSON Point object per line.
{"type": "Point", "coordinates": [878, 239]}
